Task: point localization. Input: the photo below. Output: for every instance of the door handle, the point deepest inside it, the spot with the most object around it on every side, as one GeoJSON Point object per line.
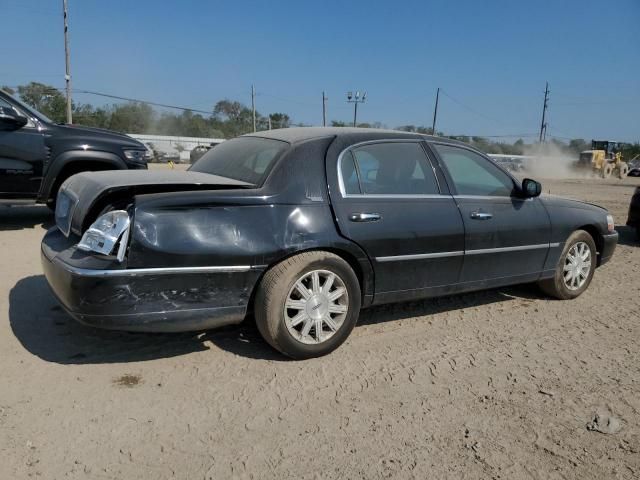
{"type": "Point", "coordinates": [365, 217]}
{"type": "Point", "coordinates": [481, 215]}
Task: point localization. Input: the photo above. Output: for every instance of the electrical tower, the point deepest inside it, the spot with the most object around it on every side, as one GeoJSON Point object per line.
{"type": "Point", "coordinates": [543, 124]}
{"type": "Point", "coordinates": [324, 109]}
{"type": "Point", "coordinates": [356, 99]}
{"type": "Point", "coordinates": [67, 76]}
{"type": "Point", "coordinates": [435, 112]}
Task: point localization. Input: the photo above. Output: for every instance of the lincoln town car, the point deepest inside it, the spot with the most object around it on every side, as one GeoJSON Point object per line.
{"type": "Point", "coordinates": [301, 228]}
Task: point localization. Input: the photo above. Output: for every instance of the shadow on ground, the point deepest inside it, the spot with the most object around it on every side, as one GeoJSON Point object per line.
{"type": "Point", "coordinates": [21, 217]}
{"type": "Point", "coordinates": [47, 331]}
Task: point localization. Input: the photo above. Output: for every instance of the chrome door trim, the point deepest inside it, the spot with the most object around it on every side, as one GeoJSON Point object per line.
{"type": "Point", "coordinates": [420, 256]}
{"type": "Point", "coordinates": [491, 197]}
{"type": "Point", "coordinates": [395, 195]}
{"type": "Point", "coordinates": [518, 248]}
{"type": "Point", "coordinates": [457, 253]}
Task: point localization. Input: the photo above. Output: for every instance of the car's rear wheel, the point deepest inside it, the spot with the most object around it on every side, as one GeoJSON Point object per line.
{"type": "Point", "coordinates": [307, 305]}
{"type": "Point", "coordinates": [575, 267]}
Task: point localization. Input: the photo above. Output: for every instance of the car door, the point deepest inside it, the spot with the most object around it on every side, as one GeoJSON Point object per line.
{"type": "Point", "coordinates": [391, 204]}
{"type": "Point", "coordinates": [506, 235]}
{"type": "Point", "coordinates": [22, 153]}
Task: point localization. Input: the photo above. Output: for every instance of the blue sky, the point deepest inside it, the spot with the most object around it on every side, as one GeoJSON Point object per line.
{"type": "Point", "coordinates": [491, 58]}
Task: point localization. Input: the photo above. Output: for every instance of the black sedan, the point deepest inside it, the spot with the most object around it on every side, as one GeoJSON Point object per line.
{"type": "Point", "coordinates": [306, 226]}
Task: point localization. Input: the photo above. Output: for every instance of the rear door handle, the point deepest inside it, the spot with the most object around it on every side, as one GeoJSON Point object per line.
{"type": "Point", "coordinates": [481, 215]}
{"type": "Point", "coordinates": [365, 217]}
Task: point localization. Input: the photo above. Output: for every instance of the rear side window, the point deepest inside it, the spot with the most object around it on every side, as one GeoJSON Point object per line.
{"type": "Point", "coordinates": [473, 174]}
{"type": "Point", "coordinates": [392, 169]}
{"type": "Point", "coordinates": [248, 159]}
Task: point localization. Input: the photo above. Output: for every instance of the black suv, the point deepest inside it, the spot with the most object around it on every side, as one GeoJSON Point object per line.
{"type": "Point", "coordinates": [37, 155]}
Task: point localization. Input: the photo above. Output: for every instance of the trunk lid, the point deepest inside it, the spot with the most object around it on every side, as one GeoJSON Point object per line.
{"type": "Point", "coordinates": [88, 191]}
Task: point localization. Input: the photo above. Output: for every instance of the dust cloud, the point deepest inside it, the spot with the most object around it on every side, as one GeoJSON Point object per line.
{"type": "Point", "coordinates": [550, 161]}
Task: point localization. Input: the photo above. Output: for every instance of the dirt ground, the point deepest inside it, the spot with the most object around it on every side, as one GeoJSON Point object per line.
{"type": "Point", "coordinates": [496, 384]}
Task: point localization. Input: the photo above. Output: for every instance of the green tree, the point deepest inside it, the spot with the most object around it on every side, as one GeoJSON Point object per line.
{"type": "Point", "coordinates": [131, 117]}
{"type": "Point", "coordinates": [232, 118]}
{"type": "Point", "coordinates": [45, 99]}
{"type": "Point", "coordinates": [280, 120]}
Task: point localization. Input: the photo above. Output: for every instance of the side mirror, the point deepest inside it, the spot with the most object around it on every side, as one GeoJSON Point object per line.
{"type": "Point", "coordinates": [531, 188]}
{"type": "Point", "coordinates": [11, 120]}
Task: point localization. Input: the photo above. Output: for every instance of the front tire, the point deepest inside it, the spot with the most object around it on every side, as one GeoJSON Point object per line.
{"type": "Point", "coordinates": [307, 305]}
{"type": "Point", "coordinates": [623, 170]}
{"type": "Point", "coordinates": [574, 269]}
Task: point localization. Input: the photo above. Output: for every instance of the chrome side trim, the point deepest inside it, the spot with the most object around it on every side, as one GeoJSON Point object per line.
{"type": "Point", "coordinates": [506, 249]}
{"type": "Point", "coordinates": [134, 272]}
{"type": "Point", "coordinates": [457, 253]}
{"type": "Point", "coordinates": [396, 195]}
{"type": "Point", "coordinates": [491, 197]}
{"type": "Point", "coordinates": [420, 256]}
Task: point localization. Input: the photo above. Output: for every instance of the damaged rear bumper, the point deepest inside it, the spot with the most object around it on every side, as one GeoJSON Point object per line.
{"type": "Point", "coordinates": [100, 293]}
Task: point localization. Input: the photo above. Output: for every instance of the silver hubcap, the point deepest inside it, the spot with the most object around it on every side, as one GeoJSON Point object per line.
{"type": "Point", "coordinates": [316, 307]}
{"type": "Point", "coordinates": [577, 266]}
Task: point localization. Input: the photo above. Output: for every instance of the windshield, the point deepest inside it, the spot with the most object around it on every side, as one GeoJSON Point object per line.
{"type": "Point", "coordinates": [29, 110]}
{"type": "Point", "coordinates": [248, 159]}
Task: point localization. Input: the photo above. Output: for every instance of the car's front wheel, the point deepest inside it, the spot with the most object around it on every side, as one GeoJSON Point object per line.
{"type": "Point", "coordinates": [307, 305]}
{"type": "Point", "coordinates": [574, 269]}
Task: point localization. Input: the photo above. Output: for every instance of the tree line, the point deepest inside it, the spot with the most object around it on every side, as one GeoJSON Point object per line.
{"type": "Point", "coordinates": [230, 118]}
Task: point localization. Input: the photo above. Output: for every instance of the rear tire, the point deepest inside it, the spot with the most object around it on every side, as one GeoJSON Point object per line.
{"type": "Point", "coordinates": [607, 170]}
{"type": "Point", "coordinates": [307, 305]}
{"type": "Point", "coordinates": [572, 275]}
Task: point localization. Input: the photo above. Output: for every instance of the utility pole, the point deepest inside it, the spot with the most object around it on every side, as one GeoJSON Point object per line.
{"type": "Point", "coordinates": [543, 125]}
{"type": "Point", "coordinates": [67, 76]}
{"type": "Point", "coordinates": [269, 121]}
{"type": "Point", "coordinates": [253, 105]}
{"type": "Point", "coordinates": [435, 112]}
{"type": "Point", "coordinates": [356, 100]}
{"type": "Point", "coordinates": [324, 110]}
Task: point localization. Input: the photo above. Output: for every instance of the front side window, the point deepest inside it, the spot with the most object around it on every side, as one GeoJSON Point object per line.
{"type": "Point", "coordinates": [248, 159]}
{"type": "Point", "coordinates": [391, 169]}
{"type": "Point", "coordinates": [473, 174]}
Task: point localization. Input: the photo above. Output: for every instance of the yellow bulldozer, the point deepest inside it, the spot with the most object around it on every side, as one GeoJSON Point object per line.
{"type": "Point", "coordinates": [604, 159]}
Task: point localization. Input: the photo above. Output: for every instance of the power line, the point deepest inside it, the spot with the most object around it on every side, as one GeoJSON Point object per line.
{"type": "Point", "coordinates": [472, 110]}
{"type": "Point", "coordinates": [127, 99]}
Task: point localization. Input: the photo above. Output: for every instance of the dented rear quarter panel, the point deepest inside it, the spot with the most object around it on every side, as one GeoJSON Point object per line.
{"type": "Point", "coordinates": [255, 227]}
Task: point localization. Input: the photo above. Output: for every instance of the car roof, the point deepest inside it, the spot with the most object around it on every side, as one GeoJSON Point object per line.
{"type": "Point", "coordinates": [301, 134]}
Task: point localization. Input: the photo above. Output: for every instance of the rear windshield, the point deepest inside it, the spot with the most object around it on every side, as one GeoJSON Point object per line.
{"type": "Point", "coordinates": [248, 159]}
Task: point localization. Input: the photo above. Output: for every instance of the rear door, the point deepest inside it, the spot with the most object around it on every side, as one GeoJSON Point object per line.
{"type": "Point", "coordinates": [506, 236]}
{"type": "Point", "coordinates": [391, 204]}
